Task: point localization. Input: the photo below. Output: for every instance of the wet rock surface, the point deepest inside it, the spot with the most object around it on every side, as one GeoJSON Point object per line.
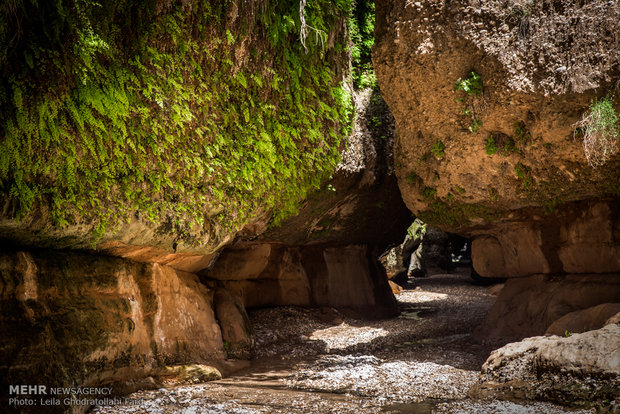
{"type": "Point", "coordinates": [328, 361]}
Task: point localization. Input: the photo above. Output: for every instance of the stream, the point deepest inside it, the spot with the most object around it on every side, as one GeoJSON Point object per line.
{"type": "Point", "coordinates": [326, 361]}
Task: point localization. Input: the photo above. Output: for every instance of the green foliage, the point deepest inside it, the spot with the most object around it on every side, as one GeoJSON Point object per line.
{"type": "Point", "coordinates": [429, 193]}
{"type": "Point", "coordinates": [524, 174]}
{"type": "Point", "coordinates": [417, 229]}
{"type": "Point", "coordinates": [475, 126]}
{"type": "Point", "coordinates": [362, 27]}
{"type": "Point", "coordinates": [412, 177]}
{"type": "Point", "coordinates": [496, 142]}
{"type": "Point", "coordinates": [438, 149]}
{"type": "Point", "coordinates": [567, 334]}
{"type": "Point", "coordinates": [471, 85]}
{"type": "Point", "coordinates": [490, 146]}
{"type": "Point", "coordinates": [521, 133]}
{"type": "Point", "coordinates": [130, 112]}
{"type": "Point", "coordinates": [600, 128]}
{"type": "Point", "coordinates": [472, 88]}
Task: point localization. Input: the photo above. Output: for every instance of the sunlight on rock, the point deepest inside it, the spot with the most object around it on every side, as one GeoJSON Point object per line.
{"type": "Point", "coordinates": [344, 336]}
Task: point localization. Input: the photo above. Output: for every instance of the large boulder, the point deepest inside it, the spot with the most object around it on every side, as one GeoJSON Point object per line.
{"type": "Point", "coordinates": [486, 98]}
{"type": "Point", "coordinates": [580, 370]}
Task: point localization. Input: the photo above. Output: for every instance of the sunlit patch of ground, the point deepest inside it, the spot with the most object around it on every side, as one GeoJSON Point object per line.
{"type": "Point", "coordinates": [344, 335]}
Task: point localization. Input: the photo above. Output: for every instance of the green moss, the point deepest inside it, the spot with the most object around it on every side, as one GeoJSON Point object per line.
{"type": "Point", "coordinates": [521, 133]}
{"type": "Point", "coordinates": [453, 214]}
{"type": "Point", "coordinates": [524, 174]}
{"type": "Point", "coordinates": [131, 111]}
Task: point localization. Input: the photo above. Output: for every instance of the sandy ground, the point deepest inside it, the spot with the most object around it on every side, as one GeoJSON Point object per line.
{"type": "Point", "coordinates": [325, 361]}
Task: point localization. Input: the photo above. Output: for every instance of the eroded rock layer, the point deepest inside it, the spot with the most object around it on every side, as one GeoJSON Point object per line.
{"type": "Point", "coordinates": [529, 306]}
{"type": "Point", "coordinates": [275, 275]}
{"type": "Point", "coordinates": [486, 98]}
{"type": "Point", "coordinates": [74, 319]}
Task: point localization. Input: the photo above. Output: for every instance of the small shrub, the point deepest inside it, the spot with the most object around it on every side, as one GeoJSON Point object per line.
{"type": "Point", "coordinates": [600, 130]}
{"type": "Point", "coordinates": [411, 177]}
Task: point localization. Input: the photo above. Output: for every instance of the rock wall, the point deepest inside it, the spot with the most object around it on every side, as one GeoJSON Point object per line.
{"type": "Point", "coordinates": [74, 319]}
{"type": "Point", "coordinates": [276, 275]}
{"type": "Point", "coordinates": [528, 306]}
{"type": "Point", "coordinates": [486, 97]}
{"type": "Point", "coordinates": [174, 135]}
{"type": "Point", "coordinates": [584, 239]}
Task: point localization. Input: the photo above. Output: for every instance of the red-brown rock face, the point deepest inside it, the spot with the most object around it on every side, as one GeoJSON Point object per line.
{"type": "Point", "coordinates": [274, 275]}
{"type": "Point", "coordinates": [73, 319]}
{"type": "Point", "coordinates": [486, 98]}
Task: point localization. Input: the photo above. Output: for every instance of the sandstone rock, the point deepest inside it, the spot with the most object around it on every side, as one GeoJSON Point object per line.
{"type": "Point", "coordinates": [613, 320]}
{"type": "Point", "coordinates": [535, 205]}
{"type": "Point", "coordinates": [583, 369]}
{"type": "Point", "coordinates": [74, 319]}
{"type": "Point", "coordinates": [190, 374]}
{"type": "Point", "coordinates": [340, 277]}
{"type": "Point", "coordinates": [584, 320]}
{"type": "Point", "coordinates": [528, 306]}
{"type": "Point", "coordinates": [581, 240]}
{"type": "Point", "coordinates": [234, 324]}
{"type": "Point", "coordinates": [361, 204]}
{"type": "Point", "coordinates": [396, 289]}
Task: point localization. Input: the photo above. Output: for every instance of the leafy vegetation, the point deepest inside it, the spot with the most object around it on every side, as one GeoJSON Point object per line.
{"type": "Point", "coordinates": [524, 174]}
{"type": "Point", "coordinates": [362, 26]}
{"type": "Point", "coordinates": [117, 110]}
{"type": "Point", "coordinates": [490, 146]}
{"type": "Point", "coordinates": [438, 149]}
{"type": "Point", "coordinates": [521, 133]}
{"type": "Point", "coordinates": [471, 87]}
{"type": "Point", "coordinates": [600, 128]}
{"type": "Point", "coordinates": [497, 142]}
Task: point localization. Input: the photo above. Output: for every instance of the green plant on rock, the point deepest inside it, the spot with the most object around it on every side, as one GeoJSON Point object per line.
{"type": "Point", "coordinates": [475, 126]}
{"type": "Point", "coordinates": [490, 147]}
{"type": "Point", "coordinates": [472, 85]}
{"type": "Point", "coordinates": [524, 174]}
{"type": "Point", "coordinates": [438, 149]}
{"type": "Point", "coordinates": [164, 122]}
{"type": "Point", "coordinates": [412, 177]}
{"type": "Point", "coordinates": [601, 131]}
{"type": "Point", "coordinates": [521, 133]}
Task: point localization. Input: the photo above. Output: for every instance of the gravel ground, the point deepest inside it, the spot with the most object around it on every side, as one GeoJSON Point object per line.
{"type": "Point", "coordinates": [325, 361]}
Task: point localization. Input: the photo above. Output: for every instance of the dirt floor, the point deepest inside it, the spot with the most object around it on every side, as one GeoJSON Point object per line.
{"type": "Point", "coordinates": [329, 361]}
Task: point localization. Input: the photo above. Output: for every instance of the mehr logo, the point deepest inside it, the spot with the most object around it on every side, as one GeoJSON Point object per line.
{"type": "Point", "coordinates": [28, 389]}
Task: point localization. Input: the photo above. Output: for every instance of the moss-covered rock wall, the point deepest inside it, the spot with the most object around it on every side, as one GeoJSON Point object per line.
{"type": "Point", "coordinates": [165, 123]}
